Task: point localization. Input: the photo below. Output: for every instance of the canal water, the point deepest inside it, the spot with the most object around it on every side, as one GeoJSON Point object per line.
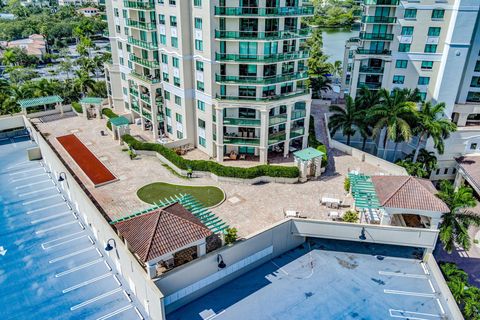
{"type": "Point", "coordinates": [334, 42]}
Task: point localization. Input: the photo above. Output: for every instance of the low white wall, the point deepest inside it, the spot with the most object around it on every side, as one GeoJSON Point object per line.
{"type": "Point", "coordinates": [391, 168]}
{"type": "Point", "coordinates": [277, 236]}
{"type": "Point", "coordinates": [85, 204]}
{"type": "Point", "coordinates": [11, 122]}
{"type": "Point", "coordinates": [66, 108]}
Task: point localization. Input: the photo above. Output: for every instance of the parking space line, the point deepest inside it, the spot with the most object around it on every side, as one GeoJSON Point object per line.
{"type": "Point", "coordinates": [41, 199]}
{"type": "Point", "coordinates": [141, 317]}
{"type": "Point", "coordinates": [127, 296]}
{"type": "Point", "coordinates": [108, 266]}
{"type": "Point", "coordinates": [406, 275]}
{"type": "Point", "coordinates": [411, 315]}
{"type": "Point", "coordinates": [71, 254]}
{"type": "Point", "coordinates": [440, 306]}
{"type": "Point", "coordinates": [83, 266]}
{"type": "Point", "coordinates": [25, 171]}
{"type": "Point", "coordinates": [61, 238]}
{"type": "Point", "coordinates": [17, 164]}
{"type": "Point", "coordinates": [56, 227]}
{"type": "Point", "coordinates": [26, 178]}
{"type": "Point", "coordinates": [85, 303]}
{"type": "Point", "coordinates": [62, 214]}
{"type": "Point", "coordinates": [36, 191]}
{"type": "Point", "coordinates": [431, 285]}
{"type": "Point", "coordinates": [45, 208]}
{"type": "Point", "coordinates": [424, 267]}
{"type": "Point", "coordinates": [83, 284]}
{"type": "Point", "coordinates": [63, 242]}
{"type": "Point", "coordinates": [116, 312]}
{"type": "Point", "coordinates": [116, 279]}
{"type": "Point", "coordinates": [408, 293]}
{"type": "Point", "coordinates": [34, 184]}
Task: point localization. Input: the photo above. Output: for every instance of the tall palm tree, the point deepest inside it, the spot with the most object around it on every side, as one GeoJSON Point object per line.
{"type": "Point", "coordinates": [83, 82]}
{"type": "Point", "coordinates": [367, 98]}
{"type": "Point", "coordinates": [393, 114]}
{"type": "Point", "coordinates": [412, 95]}
{"type": "Point", "coordinates": [348, 119]}
{"type": "Point", "coordinates": [432, 123]}
{"type": "Point", "coordinates": [455, 223]}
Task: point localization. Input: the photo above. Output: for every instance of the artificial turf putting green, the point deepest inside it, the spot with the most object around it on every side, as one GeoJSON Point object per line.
{"type": "Point", "coordinates": [153, 193]}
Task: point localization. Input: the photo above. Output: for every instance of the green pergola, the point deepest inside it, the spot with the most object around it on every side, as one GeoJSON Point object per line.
{"type": "Point", "coordinates": [26, 104]}
{"type": "Point", "coordinates": [91, 101]}
{"type": "Point", "coordinates": [308, 154]}
{"type": "Point", "coordinates": [119, 121]}
{"type": "Point", "coordinates": [308, 158]}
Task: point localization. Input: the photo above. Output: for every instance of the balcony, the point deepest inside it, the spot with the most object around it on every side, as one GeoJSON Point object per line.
{"type": "Point", "coordinates": [374, 51]}
{"type": "Point", "coordinates": [145, 97]}
{"type": "Point", "coordinates": [144, 62]}
{"type": "Point", "coordinates": [298, 114]}
{"type": "Point", "coordinates": [139, 5]}
{"type": "Point", "coordinates": [241, 141]}
{"type": "Point", "coordinates": [297, 132]}
{"type": "Point", "coordinates": [255, 11]}
{"type": "Point", "coordinates": [135, 106]}
{"type": "Point", "coordinates": [279, 118]}
{"type": "Point", "coordinates": [230, 57]}
{"type": "Point", "coordinates": [134, 92]}
{"type": "Point", "coordinates": [379, 19]}
{"type": "Point", "coordinates": [142, 44]}
{"type": "Point", "coordinates": [146, 115]}
{"type": "Point", "coordinates": [260, 80]}
{"type": "Point", "coordinates": [148, 79]}
{"type": "Point", "coordinates": [241, 122]}
{"type": "Point", "coordinates": [376, 36]}
{"type": "Point", "coordinates": [269, 35]}
{"type": "Point", "coordinates": [277, 137]}
{"type": "Point", "coordinates": [370, 85]}
{"type": "Point", "coordinates": [264, 99]}
{"type": "Point", "coordinates": [367, 69]}
{"type": "Point", "coordinates": [381, 2]}
{"type": "Point", "coordinates": [148, 26]}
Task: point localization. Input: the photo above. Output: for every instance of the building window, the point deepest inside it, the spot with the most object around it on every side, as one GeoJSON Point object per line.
{"type": "Point", "coordinates": [165, 77]}
{"type": "Point", "coordinates": [475, 83]}
{"type": "Point", "coordinates": [398, 79]}
{"type": "Point", "coordinates": [168, 112]}
{"type": "Point", "coordinates": [169, 129]}
{"type": "Point", "coordinates": [401, 64]}
{"type": "Point", "coordinates": [422, 95]}
{"type": "Point", "coordinates": [430, 48]}
{"type": "Point", "coordinates": [197, 3]}
{"type": "Point", "coordinates": [178, 118]}
{"type": "Point", "coordinates": [404, 47]}
{"type": "Point", "coordinates": [176, 81]}
{"type": "Point", "coordinates": [174, 42]}
{"type": "Point", "coordinates": [407, 31]}
{"type": "Point", "coordinates": [434, 31]}
{"type": "Point", "coordinates": [445, 171]}
{"type": "Point", "coordinates": [200, 105]}
{"type": "Point", "coordinates": [199, 45]}
{"type": "Point", "coordinates": [438, 13]}
{"type": "Point", "coordinates": [173, 21]}
{"type": "Point", "coordinates": [477, 66]}
{"type": "Point", "coordinates": [164, 58]}
{"type": "Point", "coordinates": [161, 19]}
{"type": "Point", "coordinates": [423, 81]}
{"type": "Point", "coordinates": [199, 65]}
{"type": "Point", "coordinates": [198, 23]}
{"type": "Point", "coordinates": [200, 86]}
{"type": "Point", "coordinates": [175, 62]}
{"type": "Point", "coordinates": [410, 14]}
{"type": "Point", "coordinates": [163, 39]}
{"type": "Point", "coordinates": [202, 142]}
{"type": "Point", "coordinates": [473, 146]}
{"type": "Point", "coordinates": [178, 101]}
{"type": "Point", "coordinates": [179, 135]}
{"type": "Point", "coordinates": [427, 65]}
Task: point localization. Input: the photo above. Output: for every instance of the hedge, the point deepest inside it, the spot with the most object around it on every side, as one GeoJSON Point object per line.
{"type": "Point", "coordinates": [109, 114]}
{"type": "Point", "coordinates": [212, 166]}
{"type": "Point", "coordinates": [77, 107]}
{"type": "Point", "coordinates": [314, 143]}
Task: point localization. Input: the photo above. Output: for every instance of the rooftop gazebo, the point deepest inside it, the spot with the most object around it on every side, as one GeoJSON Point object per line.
{"type": "Point", "coordinates": [91, 106]}
{"type": "Point", "coordinates": [42, 105]}
{"type": "Point", "coordinates": [309, 161]}
{"type": "Point", "coordinates": [120, 127]}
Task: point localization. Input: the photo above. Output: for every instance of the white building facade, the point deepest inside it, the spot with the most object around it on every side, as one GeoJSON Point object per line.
{"type": "Point", "coordinates": [431, 45]}
{"type": "Point", "coordinates": [225, 76]}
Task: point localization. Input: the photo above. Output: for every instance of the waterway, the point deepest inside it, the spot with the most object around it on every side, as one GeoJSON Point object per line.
{"type": "Point", "coordinates": [334, 42]}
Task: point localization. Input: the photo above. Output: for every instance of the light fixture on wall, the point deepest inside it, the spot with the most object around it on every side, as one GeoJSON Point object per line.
{"type": "Point", "coordinates": [362, 234]}
{"type": "Point", "coordinates": [220, 262]}
{"type": "Point", "coordinates": [109, 247]}
{"type": "Point", "coordinates": [62, 176]}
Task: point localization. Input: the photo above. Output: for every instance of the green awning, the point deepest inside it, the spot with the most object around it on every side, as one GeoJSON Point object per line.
{"type": "Point", "coordinates": [35, 102]}
{"type": "Point", "coordinates": [119, 121]}
{"type": "Point", "coordinates": [92, 100]}
{"type": "Point", "coordinates": [308, 154]}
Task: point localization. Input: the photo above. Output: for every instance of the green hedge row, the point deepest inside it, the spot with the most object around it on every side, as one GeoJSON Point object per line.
{"type": "Point", "coordinates": [212, 166]}
{"type": "Point", "coordinates": [110, 114]}
{"type": "Point", "coordinates": [77, 107]}
{"type": "Point", "coordinates": [314, 143]}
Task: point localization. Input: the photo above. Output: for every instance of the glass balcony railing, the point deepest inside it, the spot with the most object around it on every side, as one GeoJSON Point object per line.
{"type": "Point", "coordinates": [376, 36]}
{"type": "Point", "coordinates": [381, 2]}
{"type": "Point", "coordinates": [367, 69]}
{"type": "Point", "coordinates": [277, 137]}
{"type": "Point", "coordinates": [146, 115]}
{"type": "Point", "coordinates": [149, 79]}
{"type": "Point", "coordinates": [144, 62]}
{"type": "Point", "coordinates": [297, 132]}
{"type": "Point", "coordinates": [145, 97]}
{"type": "Point", "coordinates": [298, 114]}
{"type": "Point", "coordinates": [150, 5]}
{"type": "Point", "coordinates": [261, 80]}
{"type": "Point", "coordinates": [374, 51]}
{"type": "Point", "coordinates": [279, 118]}
{"type": "Point", "coordinates": [142, 44]}
{"type": "Point", "coordinates": [378, 19]}
{"type": "Point", "coordinates": [141, 25]}
{"type": "Point", "coordinates": [265, 99]}
{"type": "Point", "coordinates": [241, 122]}
{"type": "Point", "coordinates": [255, 11]}
{"type": "Point", "coordinates": [370, 85]}
{"type": "Point", "coordinates": [262, 58]}
{"type": "Point", "coordinates": [258, 35]}
{"type": "Point", "coordinates": [241, 141]}
{"type": "Point", "coordinates": [134, 92]}
{"type": "Point", "coordinates": [135, 106]}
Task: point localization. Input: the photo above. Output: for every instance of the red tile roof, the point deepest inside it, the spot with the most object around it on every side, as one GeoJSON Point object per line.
{"type": "Point", "coordinates": [162, 231]}
{"type": "Point", "coordinates": [407, 193]}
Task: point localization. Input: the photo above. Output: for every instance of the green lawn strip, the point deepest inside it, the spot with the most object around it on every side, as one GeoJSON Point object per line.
{"type": "Point", "coordinates": [209, 196]}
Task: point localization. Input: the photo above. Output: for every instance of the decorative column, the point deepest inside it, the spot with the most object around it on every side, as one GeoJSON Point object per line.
{"type": "Point", "coordinates": [308, 106]}
{"type": "Point", "coordinates": [219, 117]}
{"type": "Point", "coordinates": [202, 248]}
{"type": "Point", "coordinates": [286, 146]}
{"type": "Point", "coordinates": [263, 150]}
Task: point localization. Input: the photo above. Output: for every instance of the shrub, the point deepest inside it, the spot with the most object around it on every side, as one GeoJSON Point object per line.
{"type": "Point", "coordinates": [350, 216]}
{"type": "Point", "coordinates": [230, 235]}
{"type": "Point", "coordinates": [346, 184]}
{"type": "Point", "coordinates": [109, 114]}
{"type": "Point", "coordinates": [77, 107]}
{"type": "Point", "coordinates": [211, 166]}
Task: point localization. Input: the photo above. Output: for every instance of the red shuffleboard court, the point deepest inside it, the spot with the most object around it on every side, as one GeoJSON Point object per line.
{"type": "Point", "coordinates": [86, 160]}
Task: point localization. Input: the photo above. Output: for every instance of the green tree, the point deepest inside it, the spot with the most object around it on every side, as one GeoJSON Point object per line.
{"type": "Point", "coordinates": [350, 216]}
{"type": "Point", "coordinates": [367, 98]}
{"type": "Point", "coordinates": [413, 169]}
{"type": "Point", "coordinates": [231, 235]}
{"type": "Point", "coordinates": [432, 123]}
{"type": "Point", "coordinates": [347, 119]}
{"type": "Point", "coordinates": [425, 160]}
{"type": "Point", "coordinates": [83, 82]}
{"type": "Point", "coordinates": [455, 223]}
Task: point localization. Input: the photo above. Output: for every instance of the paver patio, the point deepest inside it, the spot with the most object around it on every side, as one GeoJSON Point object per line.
{"type": "Point", "coordinates": [249, 208]}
